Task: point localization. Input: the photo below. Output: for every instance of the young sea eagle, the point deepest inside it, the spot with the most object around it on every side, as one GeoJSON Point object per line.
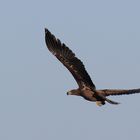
{"type": "Point", "coordinates": [86, 87]}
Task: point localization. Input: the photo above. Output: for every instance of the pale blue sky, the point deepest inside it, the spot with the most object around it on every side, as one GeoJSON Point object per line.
{"type": "Point", "coordinates": [104, 34]}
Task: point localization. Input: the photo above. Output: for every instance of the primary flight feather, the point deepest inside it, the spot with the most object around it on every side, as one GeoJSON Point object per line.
{"type": "Point", "coordinates": [86, 87]}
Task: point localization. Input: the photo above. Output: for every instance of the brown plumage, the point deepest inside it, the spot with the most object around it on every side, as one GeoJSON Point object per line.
{"type": "Point", "coordinates": [86, 87]}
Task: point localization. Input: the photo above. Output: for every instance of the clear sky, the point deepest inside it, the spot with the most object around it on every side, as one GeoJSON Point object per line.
{"type": "Point", "coordinates": [104, 34]}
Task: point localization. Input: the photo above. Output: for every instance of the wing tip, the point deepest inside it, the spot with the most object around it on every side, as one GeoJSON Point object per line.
{"type": "Point", "coordinates": [46, 31]}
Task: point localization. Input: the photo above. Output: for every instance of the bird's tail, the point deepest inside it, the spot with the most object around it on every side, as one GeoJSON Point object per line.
{"type": "Point", "coordinates": [111, 102]}
{"type": "Point", "coordinates": [108, 100]}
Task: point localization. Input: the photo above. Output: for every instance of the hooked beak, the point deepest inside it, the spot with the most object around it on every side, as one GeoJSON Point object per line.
{"type": "Point", "coordinates": [68, 93]}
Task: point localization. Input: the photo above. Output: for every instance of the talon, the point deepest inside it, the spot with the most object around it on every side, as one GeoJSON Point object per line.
{"type": "Point", "coordinates": [99, 103]}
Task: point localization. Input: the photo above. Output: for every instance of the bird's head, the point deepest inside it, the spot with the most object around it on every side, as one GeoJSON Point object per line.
{"type": "Point", "coordinates": [73, 92]}
{"type": "Point", "coordinates": [69, 93]}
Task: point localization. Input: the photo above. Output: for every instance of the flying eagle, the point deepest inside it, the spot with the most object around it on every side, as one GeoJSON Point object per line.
{"type": "Point", "coordinates": [86, 87]}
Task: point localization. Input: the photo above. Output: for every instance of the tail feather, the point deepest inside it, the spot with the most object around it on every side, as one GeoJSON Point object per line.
{"type": "Point", "coordinates": [108, 100]}
{"type": "Point", "coordinates": [111, 102]}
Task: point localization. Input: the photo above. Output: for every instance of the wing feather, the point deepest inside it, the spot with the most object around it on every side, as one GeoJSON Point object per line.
{"type": "Point", "coordinates": [68, 59]}
{"type": "Point", "coordinates": [108, 92]}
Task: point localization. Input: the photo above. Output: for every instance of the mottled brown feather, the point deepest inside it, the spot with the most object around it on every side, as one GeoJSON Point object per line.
{"type": "Point", "coordinates": [69, 60]}
{"type": "Point", "coordinates": [108, 92]}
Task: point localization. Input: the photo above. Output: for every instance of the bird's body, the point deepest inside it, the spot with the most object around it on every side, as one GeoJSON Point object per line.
{"type": "Point", "coordinates": [86, 87]}
{"type": "Point", "coordinates": [91, 95]}
{"type": "Point", "coordinates": [85, 93]}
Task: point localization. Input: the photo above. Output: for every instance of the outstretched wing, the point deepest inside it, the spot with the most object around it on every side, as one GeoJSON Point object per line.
{"type": "Point", "coordinates": [68, 59]}
{"type": "Point", "coordinates": [108, 92]}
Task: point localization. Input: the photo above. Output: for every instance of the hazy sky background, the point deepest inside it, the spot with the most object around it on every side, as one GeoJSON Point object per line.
{"type": "Point", "coordinates": [104, 34]}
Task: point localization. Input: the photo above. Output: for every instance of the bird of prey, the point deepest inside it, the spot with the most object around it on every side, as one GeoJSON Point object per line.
{"type": "Point", "coordinates": [86, 87]}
